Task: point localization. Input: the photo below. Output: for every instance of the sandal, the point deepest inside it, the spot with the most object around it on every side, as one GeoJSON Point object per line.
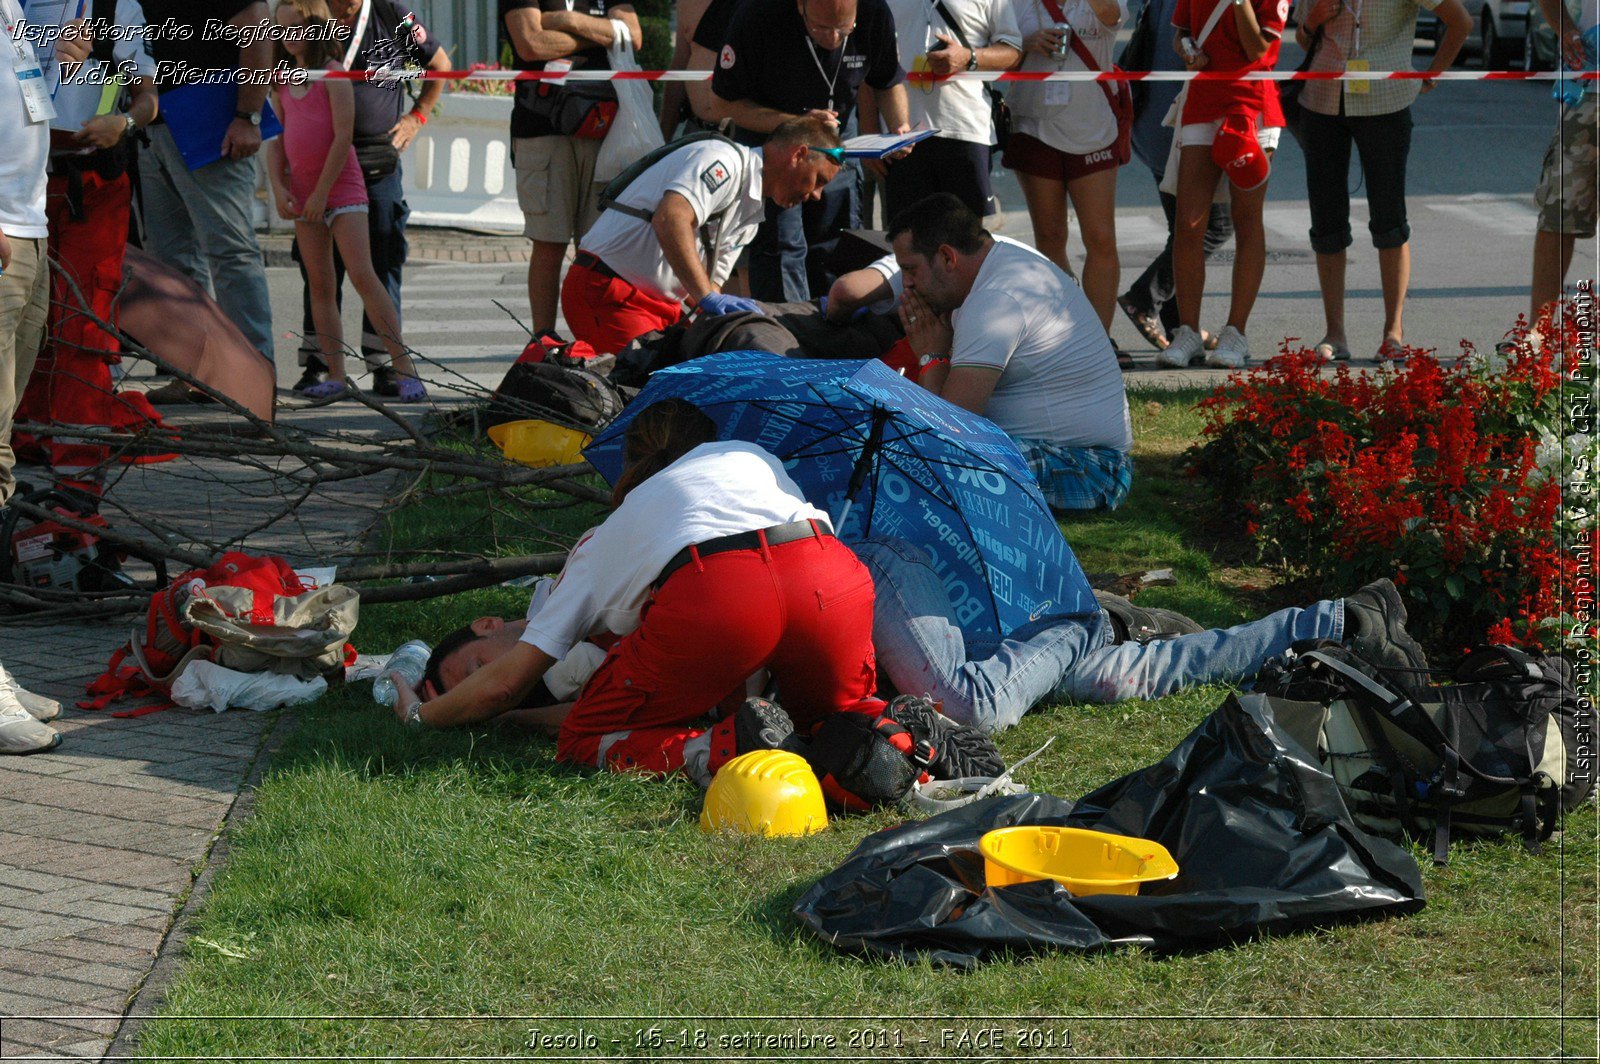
{"type": "Point", "coordinates": [412, 390]}
{"type": "Point", "coordinates": [1328, 351]}
{"type": "Point", "coordinates": [1391, 351]}
{"type": "Point", "coordinates": [329, 391]}
{"type": "Point", "coordinates": [1149, 325]}
{"type": "Point", "coordinates": [1124, 360]}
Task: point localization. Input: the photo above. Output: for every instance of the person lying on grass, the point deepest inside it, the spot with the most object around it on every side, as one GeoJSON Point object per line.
{"type": "Point", "coordinates": [712, 567]}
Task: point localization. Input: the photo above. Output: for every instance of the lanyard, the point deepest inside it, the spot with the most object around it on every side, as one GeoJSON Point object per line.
{"type": "Point", "coordinates": [815, 58]}
{"type": "Point", "coordinates": [1355, 40]}
{"type": "Point", "coordinates": [18, 45]}
{"type": "Point", "coordinates": [358, 33]}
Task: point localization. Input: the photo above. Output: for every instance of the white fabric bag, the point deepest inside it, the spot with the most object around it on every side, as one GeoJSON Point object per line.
{"type": "Point", "coordinates": [635, 132]}
{"type": "Point", "coordinates": [205, 683]}
{"type": "Point", "coordinates": [1174, 120]}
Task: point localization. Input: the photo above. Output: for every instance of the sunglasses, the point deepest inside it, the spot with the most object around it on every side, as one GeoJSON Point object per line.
{"type": "Point", "coordinates": [836, 154]}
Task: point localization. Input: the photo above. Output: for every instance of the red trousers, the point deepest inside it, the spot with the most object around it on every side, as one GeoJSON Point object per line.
{"type": "Point", "coordinates": [71, 383]}
{"type": "Point", "coordinates": [608, 312]}
{"type": "Point", "coordinates": [802, 609]}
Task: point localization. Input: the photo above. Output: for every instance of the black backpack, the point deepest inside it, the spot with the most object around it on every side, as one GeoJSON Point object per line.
{"type": "Point", "coordinates": [571, 391]}
{"type": "Point", "coordinates": [1507, 745]}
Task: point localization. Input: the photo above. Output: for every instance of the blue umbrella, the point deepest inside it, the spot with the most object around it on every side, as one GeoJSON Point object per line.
{"type": "Point", "coordinates": [889, 458]}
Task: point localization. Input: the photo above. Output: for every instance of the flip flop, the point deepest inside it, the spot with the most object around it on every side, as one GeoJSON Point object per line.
{"type": "Point", "coordinates": [1329, 351]}
{"type": "Point", "coordinates": [1149, 325]}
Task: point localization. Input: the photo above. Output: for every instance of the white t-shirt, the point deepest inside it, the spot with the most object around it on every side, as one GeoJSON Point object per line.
{"type": "Point", "coordinates": [79, 99]}
{"type": "Point", "coordinates": [24, 145]}
{"type": "Point", "coordinates": [891, 273]}
{"type": "Point", "coordinates": [1070, 116]}
{"type": "Point", "coordinates": [959, 109]}
{"type": "Point", "coordinates": [713, 177]}
{"type": "Point", "coordinates": [1059, 379]}
{"type": "Point", "coordinates": [717, 489]}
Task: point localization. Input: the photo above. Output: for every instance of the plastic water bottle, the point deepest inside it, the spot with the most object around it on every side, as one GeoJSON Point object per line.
{"type": "Point", "coordinates": [410, 661]}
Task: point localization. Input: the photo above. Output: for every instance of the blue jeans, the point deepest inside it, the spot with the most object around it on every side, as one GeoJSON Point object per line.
{"type": "Point", "coordinates": [991, 684]}
{"type": "Point", "coordinates": [387, 212]}
{"type": "Point", "coordinates": [202, 223]}
{"type": "Point", "coordinates": [789, 256]}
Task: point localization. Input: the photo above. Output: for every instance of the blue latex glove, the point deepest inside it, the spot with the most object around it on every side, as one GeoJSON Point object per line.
{"type": "Point", "coordinates": [722, 303]}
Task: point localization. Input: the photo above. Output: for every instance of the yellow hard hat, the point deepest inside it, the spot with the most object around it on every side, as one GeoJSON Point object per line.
{"type": "Point", "coordinates": [765, 792]}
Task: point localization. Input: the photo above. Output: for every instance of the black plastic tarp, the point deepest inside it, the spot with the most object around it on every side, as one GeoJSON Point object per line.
{"type": "Point", "coordinates": [1261, 836]}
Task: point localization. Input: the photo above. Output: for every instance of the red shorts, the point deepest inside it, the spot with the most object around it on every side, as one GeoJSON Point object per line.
{"type": "Point", "coordinates": [1030, 155]}
{"type": "Point", "coordinates": [608, 312]}
{"type": "Point", "coordinates": [801, 609]}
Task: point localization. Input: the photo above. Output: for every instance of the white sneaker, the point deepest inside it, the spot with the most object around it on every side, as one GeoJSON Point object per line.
{"type": "Point", "coordinates": [39, 707]}
{"type": "Point", "coordinates": [1232, 350]}
{"type": "Point", "coordinates": [19, 732]}
{"type": "Point", "coordinates": [1185, 349]}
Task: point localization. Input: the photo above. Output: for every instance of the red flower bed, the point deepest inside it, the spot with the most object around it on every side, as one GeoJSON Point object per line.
{"type": "Point", "coordinates": [1446, 476]}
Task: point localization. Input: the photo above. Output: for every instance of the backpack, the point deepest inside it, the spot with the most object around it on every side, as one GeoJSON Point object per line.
{"type": "Point", "coordinates": [244, 613]}
{"type": "Point", "coordinates": [1505, 746]}
{"type": "Point", "coordinates": [561, 382]}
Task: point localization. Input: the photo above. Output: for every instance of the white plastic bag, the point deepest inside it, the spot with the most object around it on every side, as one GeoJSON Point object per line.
{"type": "Point", "coordinates": [205, 683]}
{"type": "Point", "coordinates": [635, 132]}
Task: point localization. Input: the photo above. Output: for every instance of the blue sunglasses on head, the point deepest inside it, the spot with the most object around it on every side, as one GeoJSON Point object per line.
{"type": "Point", "coordinates": [836, 154]}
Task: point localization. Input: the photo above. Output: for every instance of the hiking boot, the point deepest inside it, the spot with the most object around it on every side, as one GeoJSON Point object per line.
{"type": "Point", "coordinates": [38, 707]}
{"type": "Point", "coordinates": [385, 382]}
{"type": "Point", "coordinates": [953, 750]}
{"type": "Point", "coordinates": [315, 373]}
{"type": "Point", "coordinates": [761, 724]}
{"type": "Point", "coordinates": [1143, 624]}
{"type": "Point", "coordinates": [1375, 628]}
{"type": "Point", "coordinates": [19, 732]}
{"type": "Point", "coordinates": [1184, 351]}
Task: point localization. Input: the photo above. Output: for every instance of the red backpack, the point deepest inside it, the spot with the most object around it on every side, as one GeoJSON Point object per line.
{"type": "Point", "coordinates": [169, 641]}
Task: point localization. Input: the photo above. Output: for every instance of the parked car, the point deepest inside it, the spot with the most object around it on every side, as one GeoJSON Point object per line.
{"type": "Point", "coordinates": [1540, 50]}
{"type": "Point", "coordinates": [1498, 30]}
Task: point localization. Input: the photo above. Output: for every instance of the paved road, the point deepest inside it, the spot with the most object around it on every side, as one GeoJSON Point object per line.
{"type": "Point", "coordinates": [1475, 159]}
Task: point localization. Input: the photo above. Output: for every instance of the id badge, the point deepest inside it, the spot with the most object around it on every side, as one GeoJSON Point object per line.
{"type": "Point", "coordinates": [1358, 88]}
{"type": "Point", "coordinates": [1057, 93]}
{"type": "Point", "coordinates": [31, 77]}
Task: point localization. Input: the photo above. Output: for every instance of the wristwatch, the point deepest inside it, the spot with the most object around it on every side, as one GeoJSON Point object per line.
{"type": "Point", "coordinates": [972, 59]}
{"type": "Point", "coordinates": [132, 126]}
{"type": "Point", "coordinates": [927, 360]}
{"type": "Point", "coordinates": [253, 117]}
{"type": "Point", "coordinates": [414, 714]}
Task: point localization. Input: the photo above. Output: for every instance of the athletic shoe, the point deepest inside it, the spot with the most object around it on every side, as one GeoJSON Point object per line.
{"type": "Point", "coordinates": [385, 382]}
{"type": "Point", "coordinates": [953, 750]}
{"type": "Point", "coordinates": [1233, 350]}
{"type": "Point", "coordinates": [1375, 628]}
{"type": "Point", "coordinates": [316, 372]}
{"type": "Point", "coordinates": [761, 724]}
{"type": "Point", "coordinates": [39, 707]}
{"type": "Point", "coordinates": [19, 732]}
{"type": "Point", "coordinates": [1184, 351]}
{"type": "Point", "coordinates": [174, 392]}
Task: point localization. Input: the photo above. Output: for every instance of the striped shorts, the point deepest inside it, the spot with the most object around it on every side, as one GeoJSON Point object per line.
{"type": "Point", "coordinates": [1079, 478]}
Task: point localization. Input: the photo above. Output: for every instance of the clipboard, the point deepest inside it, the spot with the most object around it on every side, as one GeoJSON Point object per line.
{"type": "Point", "coordinates": [199, 115]}
{"type": "Point", "coordinates": [877, 145]}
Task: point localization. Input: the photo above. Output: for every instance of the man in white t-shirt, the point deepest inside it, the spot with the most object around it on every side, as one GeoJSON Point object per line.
{"type": "Point", "coordinates": [675, 232]}
{"type": "Point", "coordinates": [939, 38]}
{"type": "Point", "coordinates": [1003, 332]}
{"type": "Point", "coordinates": [25, 114]}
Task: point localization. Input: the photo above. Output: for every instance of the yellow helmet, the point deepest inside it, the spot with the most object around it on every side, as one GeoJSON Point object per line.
{"type": "Point", "coordinates": [765, 792]}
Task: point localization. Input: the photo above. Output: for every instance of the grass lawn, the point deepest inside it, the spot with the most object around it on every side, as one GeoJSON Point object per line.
{"type": "Point", "coordinates": [459, 894]}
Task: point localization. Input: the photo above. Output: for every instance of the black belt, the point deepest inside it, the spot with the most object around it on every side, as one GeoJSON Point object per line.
{"type": "Point", "coordinates": [588, 261]}
{"type": "Point", "coordinates": [774, 536]}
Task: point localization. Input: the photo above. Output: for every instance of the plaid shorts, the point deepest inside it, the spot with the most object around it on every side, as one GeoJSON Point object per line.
{"type": "Point", "coordinates": [1079, 478]}
{"type": "Point", "coordinates": [1566, 193]}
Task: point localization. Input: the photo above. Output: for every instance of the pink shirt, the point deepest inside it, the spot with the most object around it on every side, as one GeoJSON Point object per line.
{"type": "Point", "coordinates": [307, 136]}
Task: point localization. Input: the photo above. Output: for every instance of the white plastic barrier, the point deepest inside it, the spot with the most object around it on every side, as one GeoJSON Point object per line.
{"type": "Point", "coordinates": [458, 171]}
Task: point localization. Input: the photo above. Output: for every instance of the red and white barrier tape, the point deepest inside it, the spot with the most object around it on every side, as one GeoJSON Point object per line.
{"type": "Point", "coordinates": [985, 75]}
